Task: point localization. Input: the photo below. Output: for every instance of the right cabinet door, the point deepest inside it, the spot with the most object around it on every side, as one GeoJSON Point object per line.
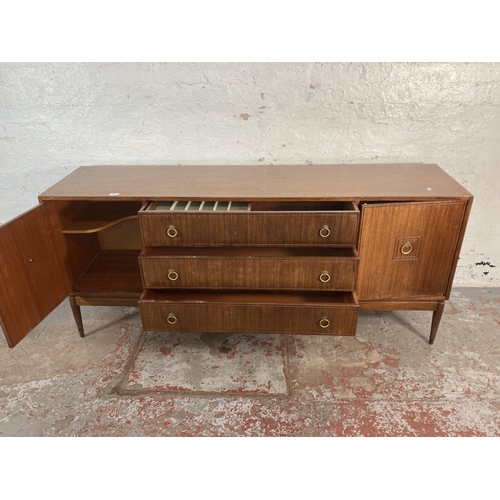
{"type": "Point", "coordinates": [406, 250]}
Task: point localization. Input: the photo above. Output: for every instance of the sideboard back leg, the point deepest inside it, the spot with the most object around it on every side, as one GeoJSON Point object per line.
{"type": "Point", "coordinates": [77, 313]}
{"type": "Point", "coordinates": [436, 319]}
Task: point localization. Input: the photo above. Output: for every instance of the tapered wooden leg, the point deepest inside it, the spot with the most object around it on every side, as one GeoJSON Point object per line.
{"type": "Point", "coordinates": [436, 319]}
{"type": "Point", "coordinates": [77, 313]}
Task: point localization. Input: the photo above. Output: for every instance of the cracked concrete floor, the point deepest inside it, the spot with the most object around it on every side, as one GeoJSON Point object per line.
{"type": "Point", "coordinates": [387, 381]}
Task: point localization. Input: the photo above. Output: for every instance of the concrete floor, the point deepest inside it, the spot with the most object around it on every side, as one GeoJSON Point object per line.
{"type": "Point", "coordinates": [388, 381]}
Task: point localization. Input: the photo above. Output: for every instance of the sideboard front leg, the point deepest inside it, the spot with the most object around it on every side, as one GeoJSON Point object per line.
{"type": "Point", "coordinates": [436, 319]}
{"type": "Point", "coordinates": [77, 313]}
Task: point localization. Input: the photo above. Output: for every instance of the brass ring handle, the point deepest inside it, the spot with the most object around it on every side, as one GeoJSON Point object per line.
{"type": "Point", "coordinates": [172, 275]}
{"type": "Point", "coordinates": [172, 319]}
{"type": "Point", "coordinates": [324, 277]}
{"type": "Point", "coordinates": [324, 232]}
{"type": "Point", "coordinates": [171, 231]}
{"type": "Point", "coordinates": [324, 322]}
{"type": "Point", "coordinates": [408, 246]}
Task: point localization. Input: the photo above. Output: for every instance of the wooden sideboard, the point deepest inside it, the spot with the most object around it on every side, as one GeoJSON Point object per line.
{"type": "Point", "coordinates": [276, 249]}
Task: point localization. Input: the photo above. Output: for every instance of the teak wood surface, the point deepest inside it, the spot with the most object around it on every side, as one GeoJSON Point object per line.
{"type": "Point", "coordinates": [97, 216]}
{"type": "Point", "coordinates": [249, 228]}
{"type": "Point", "coordinates": [433, 229]}
{"type": "Point", "coordinates": [249, 268]}
{"type": "Point", "coordinates": [125, 235]}
{"type": "Point", "coordinates": [38, 267]}
{"type": "Point", "coordinates": [251, 183]}
{"type": "Point", "coordinates": [112, 272]}
{"type": "Point", "coordinates": [213, 313]}
{"type": "Point", "coordinates": [337, 299]}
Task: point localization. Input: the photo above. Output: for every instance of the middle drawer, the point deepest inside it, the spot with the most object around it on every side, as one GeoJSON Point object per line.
{"type": "Point", "coordinates": [250, 268]}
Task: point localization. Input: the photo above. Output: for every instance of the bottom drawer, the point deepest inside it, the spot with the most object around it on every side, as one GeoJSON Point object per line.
{"type": "Point", "coordinates": [328, 313]}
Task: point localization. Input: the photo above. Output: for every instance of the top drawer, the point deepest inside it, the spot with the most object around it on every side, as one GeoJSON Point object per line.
{"type": "Point", "coordinates": [212, 223]}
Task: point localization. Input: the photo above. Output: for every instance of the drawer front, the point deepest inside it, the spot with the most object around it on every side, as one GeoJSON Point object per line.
{"type": "Point", "coordinates": [249, 228]}
{"type": "Point", "coordinates": [248, 273]}
{"type": "Point", "coordinates": [248, 318]}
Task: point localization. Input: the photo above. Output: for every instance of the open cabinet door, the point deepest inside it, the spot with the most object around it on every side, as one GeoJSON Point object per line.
{"type": "Point", "coordinates": [37, 268]}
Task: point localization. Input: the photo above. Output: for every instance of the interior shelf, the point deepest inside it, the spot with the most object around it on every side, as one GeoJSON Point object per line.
{"type": "Point", "coordinates": [96, 216]}
{"type": "Point", "coordinates": [113, 273]}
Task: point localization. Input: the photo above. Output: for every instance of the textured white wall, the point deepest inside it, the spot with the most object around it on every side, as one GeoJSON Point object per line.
{"type": "Point", "coordinates": [56, 117]}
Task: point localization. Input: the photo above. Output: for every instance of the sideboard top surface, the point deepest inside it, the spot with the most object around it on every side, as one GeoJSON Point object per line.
{"type": "Point", "coordinates": [251, 183]}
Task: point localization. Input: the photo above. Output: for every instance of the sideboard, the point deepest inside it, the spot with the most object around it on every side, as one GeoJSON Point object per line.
{"type": "Point", "coordinates": [257, 249]}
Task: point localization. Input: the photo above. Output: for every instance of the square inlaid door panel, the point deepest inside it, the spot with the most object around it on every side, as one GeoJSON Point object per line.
{"type": "Point", "coordinates": [406, 249]}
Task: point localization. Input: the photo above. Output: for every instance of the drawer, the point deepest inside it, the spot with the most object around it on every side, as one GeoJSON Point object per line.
{"type": "Point", "coordinates": [328, 313]}
{"type": "Point", "coordinates": [250, 267]}
{"type": "Point", "coordinates": [299, 224]}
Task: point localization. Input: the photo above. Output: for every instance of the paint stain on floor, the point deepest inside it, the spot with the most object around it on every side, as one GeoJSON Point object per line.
{"type": "Point", "coordinates": [211, 363]}
{"type": "Point", "coordinates": [387, 381]}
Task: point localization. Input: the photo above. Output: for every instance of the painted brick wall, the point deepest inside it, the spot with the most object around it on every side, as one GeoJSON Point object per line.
{"type": "Point", "coordinates": [55, 117]}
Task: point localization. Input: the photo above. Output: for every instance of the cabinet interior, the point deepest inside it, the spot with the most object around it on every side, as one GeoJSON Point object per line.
{"type": "Point", "coordinates": [111, 233]}
{"type": "Point", "coordinates": [83, 217]}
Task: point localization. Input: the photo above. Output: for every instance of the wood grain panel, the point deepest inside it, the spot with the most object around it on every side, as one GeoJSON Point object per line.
{"type": "Point", "coordinates": [248, 270]}
{"type": "Point", "coordinates": [38, 266]}
{"type": "Point", "coordinates": [112, 273]}
{"type": "Point", "coordinates": [107, 301]}
{"type": "Point", "coordinates": [125, 235]}
{"type": "Point", "coordinates": [400, 305]}
{"type": "Point", "coordinates": [250, 183]}
{"type": "Point", "coordinates": [78, 249]}
{"type": "Point", "coordinates": [211, 314]}
{"type": "Point", "coordinates": [249, 228]}
{"type": "Point", "coordinates": [380, 275]}
{"type": "Point", "coordinates": [96, 216]}
{"type": "Point", "coordinates": [468, 208]}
